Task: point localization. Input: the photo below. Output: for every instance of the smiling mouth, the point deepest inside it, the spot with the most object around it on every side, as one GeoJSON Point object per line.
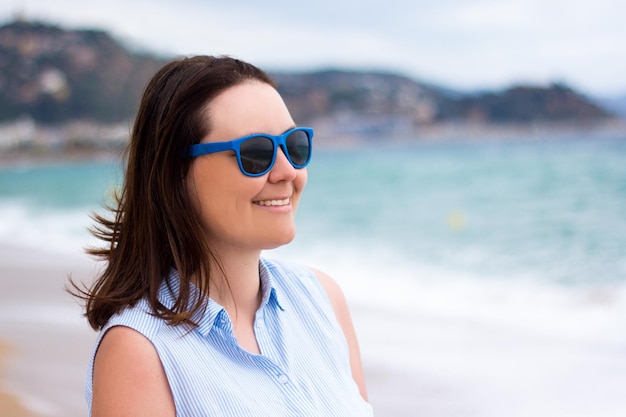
{"type": "Point", "coordinates": [270, 203]}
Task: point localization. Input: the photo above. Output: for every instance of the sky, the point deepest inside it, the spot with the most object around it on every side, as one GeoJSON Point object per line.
{"type": "Point", "coordinates": [459, 44]}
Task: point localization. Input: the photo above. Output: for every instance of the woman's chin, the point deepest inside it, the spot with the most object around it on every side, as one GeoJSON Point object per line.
{"type": "Point", "coordinates": [283, 240]}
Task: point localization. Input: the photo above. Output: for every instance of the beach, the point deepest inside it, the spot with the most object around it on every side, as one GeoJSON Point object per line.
{"type": "Point", "coordinates": [9, 404]}
{"type": "Point", "coordinates": [46, 342]}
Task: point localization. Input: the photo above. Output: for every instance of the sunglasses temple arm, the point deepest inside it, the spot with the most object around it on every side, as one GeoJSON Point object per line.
{"type": "Point", "coordinates": [206, 148]}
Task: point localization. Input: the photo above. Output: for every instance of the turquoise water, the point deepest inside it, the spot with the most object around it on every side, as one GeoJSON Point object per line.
{"type": "Point", "coordinates": [548, 210]}
{"type": "Point", "coordinates": [58, 186]}
{"type": "Point", "coordinates": [553, 211]}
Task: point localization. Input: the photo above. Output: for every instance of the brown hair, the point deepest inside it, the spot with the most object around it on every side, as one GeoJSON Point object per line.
{"type": "Point", "coordinates": [155, 227]}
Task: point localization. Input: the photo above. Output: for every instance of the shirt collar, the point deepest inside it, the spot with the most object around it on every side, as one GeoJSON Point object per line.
{"type": "Point", "coordinates": [271, 294]}
{"type": "Point", "coordinates": [206, 316]}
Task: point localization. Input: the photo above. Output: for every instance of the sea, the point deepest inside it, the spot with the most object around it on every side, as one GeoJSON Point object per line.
{"type": "Point", "coordinates": [492, 273]}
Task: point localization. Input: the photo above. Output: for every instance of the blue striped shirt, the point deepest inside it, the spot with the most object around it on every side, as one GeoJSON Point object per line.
{"type": "Point", "coordinates": [303, 368]}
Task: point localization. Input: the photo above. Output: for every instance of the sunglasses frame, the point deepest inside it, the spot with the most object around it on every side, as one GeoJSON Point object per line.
{"type": "Point", "coordinates": [279, 141]}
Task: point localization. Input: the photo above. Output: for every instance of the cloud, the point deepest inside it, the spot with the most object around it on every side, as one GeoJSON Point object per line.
{"type": "Point", "coordinates": [463, 43]}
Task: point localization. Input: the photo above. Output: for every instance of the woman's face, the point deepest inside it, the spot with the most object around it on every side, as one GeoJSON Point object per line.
{"type": "Point", "coordinates": [237, 211]}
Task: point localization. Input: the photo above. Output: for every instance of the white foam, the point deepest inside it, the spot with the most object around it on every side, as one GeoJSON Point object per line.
{"type": "Point", "coordinates": [53, 230]}
{"type": "Point", "coordinates": [378, 279]}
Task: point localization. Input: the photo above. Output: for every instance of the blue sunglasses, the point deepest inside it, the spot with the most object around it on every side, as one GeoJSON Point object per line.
{"type": "Point", "coordinates": [256, 153]}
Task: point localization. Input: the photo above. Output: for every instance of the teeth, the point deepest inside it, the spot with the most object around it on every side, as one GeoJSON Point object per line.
{"type": "Point", "coordinates": [273, 202]}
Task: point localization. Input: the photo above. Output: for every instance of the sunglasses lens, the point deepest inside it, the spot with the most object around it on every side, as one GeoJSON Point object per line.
{"type": "Point", "coordinates": [299, 147]}
{"type": "Point", "coordinates": [256, 154]}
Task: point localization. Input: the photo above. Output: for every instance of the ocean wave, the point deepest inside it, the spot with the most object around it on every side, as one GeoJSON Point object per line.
{"type": "Point", "coordinates": [56, 230]}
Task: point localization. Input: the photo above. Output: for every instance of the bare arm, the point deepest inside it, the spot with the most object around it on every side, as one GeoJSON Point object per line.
{"type": "Point", "coordinates": [342, 312]}
{"type": "Point", "coordinates": [129, 379]}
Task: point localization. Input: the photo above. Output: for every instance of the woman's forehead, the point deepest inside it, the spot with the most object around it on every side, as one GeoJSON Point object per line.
{"type": "Point", "coordinates": [247, 108]}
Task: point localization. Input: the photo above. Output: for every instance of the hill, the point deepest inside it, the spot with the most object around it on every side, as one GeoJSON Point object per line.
{"type": "Point", "coordinates": [365, 101]}
{"type": "Point", "coordinates": [50, 76]}
{"type": "Point", "coordinates": [54, 75]}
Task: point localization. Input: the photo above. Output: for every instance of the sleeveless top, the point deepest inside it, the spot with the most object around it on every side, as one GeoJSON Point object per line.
{"type": "Point", "coordinates": [303, 368]}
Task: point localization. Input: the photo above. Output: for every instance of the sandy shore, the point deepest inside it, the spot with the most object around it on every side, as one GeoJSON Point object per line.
{"type": "Point", "coordinates": [9, 404]}
{"type": "Point", "coordinates": [46, 342]}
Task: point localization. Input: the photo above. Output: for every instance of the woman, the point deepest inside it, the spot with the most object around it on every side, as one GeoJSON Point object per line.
{"type": "Point", "coordinates": [192, 320]}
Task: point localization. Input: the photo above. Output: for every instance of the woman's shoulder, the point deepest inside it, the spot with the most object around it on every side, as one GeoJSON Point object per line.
{"type": "Point", "coordinates": [127, 369]}
{"type": "Point", "coordinates": [300, 281]}
{"type": "Point", "coordinates": [138, 317]}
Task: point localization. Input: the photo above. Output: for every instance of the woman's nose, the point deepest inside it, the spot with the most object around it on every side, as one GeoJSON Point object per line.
{"type": "Point", "coordinates": [282, 169]}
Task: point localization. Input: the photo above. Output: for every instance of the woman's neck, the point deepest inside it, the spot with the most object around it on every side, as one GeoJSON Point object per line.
{"type": "Point", "coordinates": [237, 285]}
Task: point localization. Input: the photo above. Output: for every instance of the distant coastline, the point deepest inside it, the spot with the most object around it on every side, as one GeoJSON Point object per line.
{"type": "Point", "coordinates": [24, 142]}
